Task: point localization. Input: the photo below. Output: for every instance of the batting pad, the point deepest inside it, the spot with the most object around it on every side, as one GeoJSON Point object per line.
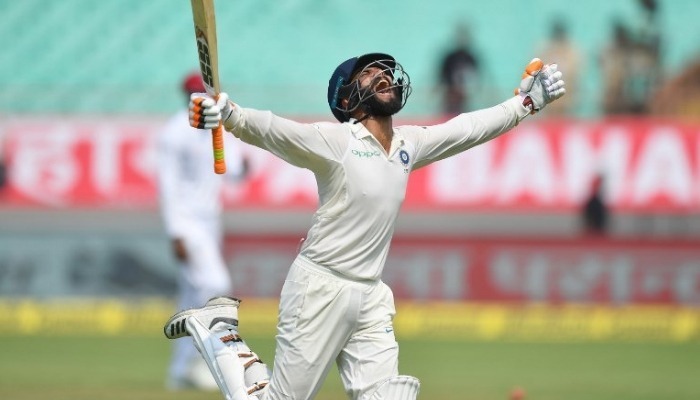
{"type": "Point", "coordinates": [222, 361]}
{"type": "Point", "coordinates": [402, 387]}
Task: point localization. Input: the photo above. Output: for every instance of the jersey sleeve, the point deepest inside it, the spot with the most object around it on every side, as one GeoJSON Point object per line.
{"type": "Point", "coordinates": [303, 145]}
{"type": "Point", "coordinates": [465, 131]}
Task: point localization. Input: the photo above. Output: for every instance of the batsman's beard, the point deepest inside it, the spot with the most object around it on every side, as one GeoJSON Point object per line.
{"type": "Point", "coordinates": [384, 108]}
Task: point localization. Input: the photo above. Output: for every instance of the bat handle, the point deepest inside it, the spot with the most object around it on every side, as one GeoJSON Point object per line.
{"type": "Point", "coordinates": [217, 135]}
{"type": "Point", "coordinates": [217, 141]}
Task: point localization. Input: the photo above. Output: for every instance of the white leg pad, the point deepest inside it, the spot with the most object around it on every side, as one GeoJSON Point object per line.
{"type": "Point", "coordinates": [256, 374]}
{"type": "Point", "coordinates": [402, 387]}
{"type": "Point", "coordinates": [221, 360]}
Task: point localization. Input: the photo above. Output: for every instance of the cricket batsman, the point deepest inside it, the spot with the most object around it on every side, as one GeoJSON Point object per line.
{"type": "Point", "coordinates": [334, 306]}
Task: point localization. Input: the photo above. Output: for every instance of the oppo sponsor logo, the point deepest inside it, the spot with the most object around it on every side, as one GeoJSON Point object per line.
{"type": "Point", "coordinates": [365, 154]}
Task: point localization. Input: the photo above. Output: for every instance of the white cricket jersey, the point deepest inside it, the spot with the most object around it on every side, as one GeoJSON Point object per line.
{"type": "Point", "coordinates": [360, 186]}
{"type": "Point", "coordinates": [189, 189]}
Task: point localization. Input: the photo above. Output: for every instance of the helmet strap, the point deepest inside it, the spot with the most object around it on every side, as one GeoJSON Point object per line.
{"type": "Point", "coordinates": [364, 117]}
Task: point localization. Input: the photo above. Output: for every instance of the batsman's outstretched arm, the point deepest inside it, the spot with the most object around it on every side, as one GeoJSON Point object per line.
{"type": "Point", "coordinates": [541, 84]}
{"type": "Point", "coordinates": [300, 144]}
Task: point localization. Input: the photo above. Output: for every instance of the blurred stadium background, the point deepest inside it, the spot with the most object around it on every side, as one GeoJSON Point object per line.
{"type": "Point", "coordinates": [498, 284]}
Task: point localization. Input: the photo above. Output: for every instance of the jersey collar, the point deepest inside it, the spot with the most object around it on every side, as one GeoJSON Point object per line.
{"type": "Point", "coordinates": [360, 132]}
{"type": "Point", "coordinates": [358, 129]}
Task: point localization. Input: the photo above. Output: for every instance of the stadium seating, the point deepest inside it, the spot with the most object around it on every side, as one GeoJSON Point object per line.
{"type": "Point", "coordinates": [117, 56]}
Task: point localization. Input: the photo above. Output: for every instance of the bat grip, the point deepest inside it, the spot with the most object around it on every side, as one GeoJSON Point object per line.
{"type": "Point", "coordinates": [217, 141]}
{"type": "Point", "coordinates": [217, 136]}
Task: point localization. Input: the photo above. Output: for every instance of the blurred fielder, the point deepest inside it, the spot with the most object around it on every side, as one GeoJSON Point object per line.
{"type": "Point", "coordinates": [191, 211]}
{"type": "Point", "coordinates": [333, 305]}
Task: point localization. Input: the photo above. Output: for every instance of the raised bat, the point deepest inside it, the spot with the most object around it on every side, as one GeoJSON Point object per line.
{"type": "Point", "coordinates": [205, 33]}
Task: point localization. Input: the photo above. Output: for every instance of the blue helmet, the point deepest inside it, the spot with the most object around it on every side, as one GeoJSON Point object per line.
{"type": "Point", "coordinates": [340, 86]}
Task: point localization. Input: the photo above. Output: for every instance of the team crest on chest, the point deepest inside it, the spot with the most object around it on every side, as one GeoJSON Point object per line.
{"type": "Point", "coordinates": [403, 155]}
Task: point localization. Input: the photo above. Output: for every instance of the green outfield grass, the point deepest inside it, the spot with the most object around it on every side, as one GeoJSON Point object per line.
{"type": "Point", "coordinates": [68, 368]}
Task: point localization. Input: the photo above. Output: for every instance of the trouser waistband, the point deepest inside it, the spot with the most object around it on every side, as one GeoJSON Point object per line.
{"type": "Point", "coordinates": [310, 266]}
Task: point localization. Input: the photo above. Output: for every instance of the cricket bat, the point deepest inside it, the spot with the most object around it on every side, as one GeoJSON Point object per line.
{"type": "Point", "coordinates": [205, 33]}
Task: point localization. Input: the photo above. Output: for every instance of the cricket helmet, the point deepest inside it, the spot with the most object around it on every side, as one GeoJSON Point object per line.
{"type": "Point", "coordinates": [341, 85]}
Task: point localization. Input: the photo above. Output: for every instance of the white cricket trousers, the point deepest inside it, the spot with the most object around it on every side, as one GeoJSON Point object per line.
{"type": "Point", "coordinates": [325, 317]}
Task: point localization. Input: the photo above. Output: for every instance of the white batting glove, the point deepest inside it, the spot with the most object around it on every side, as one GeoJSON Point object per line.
{"type": "Point", "coordinates": [207, 113]}
{"type": "Point", "coordinates": [541, 85]}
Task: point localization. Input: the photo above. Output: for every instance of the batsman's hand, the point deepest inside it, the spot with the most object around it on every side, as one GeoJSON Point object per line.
{"type": "Point", "coordinates": [207, 113]}
{"type": "Point", "coordinates": [541, 85]}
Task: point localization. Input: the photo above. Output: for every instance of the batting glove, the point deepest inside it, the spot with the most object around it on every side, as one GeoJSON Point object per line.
{"type": "Point", "coordinates": [541, 85]}
{"type": "Point", "coordinates": [206, 112]}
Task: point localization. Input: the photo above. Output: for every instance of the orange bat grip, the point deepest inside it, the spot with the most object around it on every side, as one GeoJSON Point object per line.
{"type": "Point", "coordinates": [217, 136]}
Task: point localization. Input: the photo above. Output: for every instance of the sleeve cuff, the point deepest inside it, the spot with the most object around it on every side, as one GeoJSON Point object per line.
{"type": "Point", "coordinates": [516, 104]}
{"type": "Point", "coordinates": [234, 119]}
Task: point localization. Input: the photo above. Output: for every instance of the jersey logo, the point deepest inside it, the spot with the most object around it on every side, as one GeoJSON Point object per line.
{"type": "Point", "coordinates": [403, 155]}
{"type": "Point", "coordinates": [366, 154]}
